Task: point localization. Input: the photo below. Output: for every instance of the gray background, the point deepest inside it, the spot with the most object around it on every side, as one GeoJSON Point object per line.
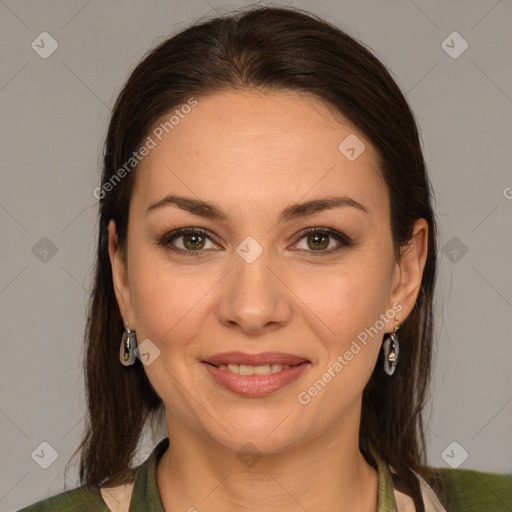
{"type": "Point", "coordinates": [54, 118]}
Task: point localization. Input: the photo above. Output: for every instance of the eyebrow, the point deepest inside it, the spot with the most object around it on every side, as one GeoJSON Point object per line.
{"type": "Point", "coordinates": [212, 211]}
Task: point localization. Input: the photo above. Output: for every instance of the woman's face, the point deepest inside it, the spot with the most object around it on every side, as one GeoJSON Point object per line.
{"type": "Point", "coordinates": [253, 280]}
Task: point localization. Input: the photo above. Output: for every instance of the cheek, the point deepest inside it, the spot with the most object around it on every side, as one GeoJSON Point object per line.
{"type": "Point", "coordinates": [168, 300]}
{"type": "Point", "coordinates": [350, 309]}
{"type": "Point", "coordinates": [351, 296]}
{"type": "Point", "coordinates": [170, 305]}
{"type": "Point", "coordinates": [347, 307]}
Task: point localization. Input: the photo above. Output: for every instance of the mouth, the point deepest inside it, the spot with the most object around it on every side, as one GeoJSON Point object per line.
{"type": "Point", "coordinates": [264, 363]}
{"type": "Point", "coordinates": [255, 375]}
{"type": "Point", "coordinates": [248, 369]}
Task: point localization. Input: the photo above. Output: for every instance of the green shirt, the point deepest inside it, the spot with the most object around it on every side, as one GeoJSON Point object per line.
{"type": "Point", "coordinates": [463, 490]}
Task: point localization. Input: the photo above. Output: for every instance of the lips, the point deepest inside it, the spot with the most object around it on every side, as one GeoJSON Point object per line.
{"type": "Point", "coordinates": [260, 359]}
{"type": "Point", "coordinates": [255, 375]}
{"type": "Point", "coordinates": [255, 386]}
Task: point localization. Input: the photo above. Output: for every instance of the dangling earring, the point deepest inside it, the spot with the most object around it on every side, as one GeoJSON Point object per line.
{"type": "Point", "coordinates": [390, 348]}
{"type": "Point", "coordinates": [127, 348]}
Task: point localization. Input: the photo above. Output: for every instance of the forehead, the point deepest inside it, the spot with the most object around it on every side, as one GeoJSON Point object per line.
{"type": "Point", "coordinates": [279, 147]}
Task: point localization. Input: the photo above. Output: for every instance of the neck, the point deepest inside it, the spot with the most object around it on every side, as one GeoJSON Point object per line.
{"type": "Point", "coordinates": [325, 473]}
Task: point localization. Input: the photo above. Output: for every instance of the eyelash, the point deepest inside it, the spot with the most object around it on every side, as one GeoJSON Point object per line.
{"type": "Point", "coordinates": [166, 240]}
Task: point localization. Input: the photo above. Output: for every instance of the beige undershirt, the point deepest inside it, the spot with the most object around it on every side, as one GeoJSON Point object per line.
{"type": "Point", "coordinates": [118, 498]}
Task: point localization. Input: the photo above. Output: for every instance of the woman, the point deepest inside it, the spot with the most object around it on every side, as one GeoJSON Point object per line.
{"type": "Point", "coordinates": [264, 277]}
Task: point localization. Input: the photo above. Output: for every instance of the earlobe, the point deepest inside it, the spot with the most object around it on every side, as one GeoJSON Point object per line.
{"type": "Point", "coordinates": [410, 268]}
{"type": "Point", "coordinates": [119, 272]}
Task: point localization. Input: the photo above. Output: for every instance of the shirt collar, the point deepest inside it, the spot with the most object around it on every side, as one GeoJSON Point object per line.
{"type": "Point", "coordinates": [145, 494]}
{"type": "Point", "coordinates": [386, 494]}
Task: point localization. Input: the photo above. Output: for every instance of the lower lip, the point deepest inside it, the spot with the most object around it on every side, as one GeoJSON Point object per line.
{"type": "Point", "coordinates": [256, 385]}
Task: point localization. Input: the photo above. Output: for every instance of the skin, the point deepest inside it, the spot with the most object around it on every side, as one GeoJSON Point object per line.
{"type": "Point", "coordinates": [253, 155]}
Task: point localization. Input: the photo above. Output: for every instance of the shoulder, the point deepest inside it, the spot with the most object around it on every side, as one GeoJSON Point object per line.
{"type": "Point", "coordinates": [86, 498]}
{"type": "Point", "coordinates": [467, 490]}
{"type": "Point", "coordinates": [140, 487]}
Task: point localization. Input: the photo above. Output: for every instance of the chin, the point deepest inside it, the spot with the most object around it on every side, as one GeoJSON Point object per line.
{"type": "Point", "coordinates": [266, 428]}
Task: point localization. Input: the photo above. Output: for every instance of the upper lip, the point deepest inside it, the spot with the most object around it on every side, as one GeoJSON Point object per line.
{"type": "Point", "coordinates": [260, 359]}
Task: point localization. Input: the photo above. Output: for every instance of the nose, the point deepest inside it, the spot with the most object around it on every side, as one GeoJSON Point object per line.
{"type": "Point", "coordinates": [254, 297]}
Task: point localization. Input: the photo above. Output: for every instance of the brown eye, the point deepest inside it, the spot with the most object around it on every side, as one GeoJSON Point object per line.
{"type": "Point", "coordinates": [318, 241]}
{"type": "Point", "coordinates": [193, 241]}
{"type": "Point", "coordinates": [323, 241]}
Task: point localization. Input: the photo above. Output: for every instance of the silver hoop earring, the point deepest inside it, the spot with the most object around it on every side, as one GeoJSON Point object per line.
{"type": "Point", "coordinates": [390, 348]}
{"type": "Point", "coordinates": [128, 346]}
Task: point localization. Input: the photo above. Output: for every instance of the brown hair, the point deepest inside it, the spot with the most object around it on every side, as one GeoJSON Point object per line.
{"type": "Point", "coordinates": [263, 49]}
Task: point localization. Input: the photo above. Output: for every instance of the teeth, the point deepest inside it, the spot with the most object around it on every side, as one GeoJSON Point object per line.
{"type": "Point", "coordinates": [247, 369]}
{"type": "Point", "coordinates": [277, 367]}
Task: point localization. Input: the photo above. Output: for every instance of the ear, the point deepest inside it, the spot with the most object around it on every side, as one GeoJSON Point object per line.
{"type": "Point", "coordinates": [120, 276]}
{"type": "Point", "coordinates": [409, 270]}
